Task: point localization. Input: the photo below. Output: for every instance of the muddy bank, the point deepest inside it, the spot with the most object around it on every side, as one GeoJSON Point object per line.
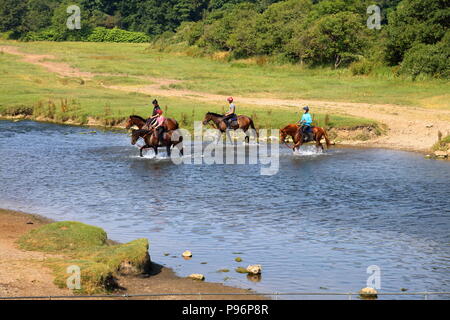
{"type": "Point", "coordinates": [23, 273]}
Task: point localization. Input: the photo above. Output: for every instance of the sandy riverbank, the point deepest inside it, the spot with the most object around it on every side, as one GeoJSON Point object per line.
{"type": "Point", "coordinates": [23, 273]}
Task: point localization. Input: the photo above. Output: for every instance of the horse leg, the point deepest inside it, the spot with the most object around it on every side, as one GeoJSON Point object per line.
{"type": "Point", "coordinates": [142, 149]}
{"type": "Point", "coordinates": [219, 135]}
{"type": "Point", "coordinates": [168, 150]}
{"type": "Point", "coordinates": [247, 137]}
{"type": "Point", "coordinates": [228, 136]}
{"type": "Point", "coordinates": [155, 148]}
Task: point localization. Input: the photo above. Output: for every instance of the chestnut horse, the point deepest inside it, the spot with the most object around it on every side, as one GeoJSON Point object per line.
{"type": "Point", "coordinates": [295, 132]}
{"type": "Point", "coordinates": [138, 121]}
{"type": "Point", "coordinates": [169, 139]}
{"type": "Point", "coordinates": [243, 122]}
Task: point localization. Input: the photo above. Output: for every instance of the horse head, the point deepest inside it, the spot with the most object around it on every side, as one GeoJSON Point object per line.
{"type": "Point", "coordinates": [208, 117]}
{"type": "Point", "coordinates": [129, 123]}
{"type": "Point", "coordinates": [135, 134]}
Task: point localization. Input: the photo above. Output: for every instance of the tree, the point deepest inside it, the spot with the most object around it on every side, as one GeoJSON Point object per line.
{"type": "Point", "coordinates": [336, 38]}
{"type": "Point", "coordinates": [12, 16]}
{"type": "Point", "coordinates": [415, 22]}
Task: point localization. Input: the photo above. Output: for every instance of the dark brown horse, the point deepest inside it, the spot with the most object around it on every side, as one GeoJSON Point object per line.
{"type": "Point", "coordinates": [169, 139]}
{"type": "Point", "coordinates": [134, 120]}
{"type": "Point", "coordinates": [243, 122]}
{"type": "Point", "coordinates": [295, 132]}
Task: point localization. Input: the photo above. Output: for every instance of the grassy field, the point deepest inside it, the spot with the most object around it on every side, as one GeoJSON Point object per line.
{"type": "Point", "coordinates": [32, 88]}
{"type": "Point", "coordinates": [244, 78]}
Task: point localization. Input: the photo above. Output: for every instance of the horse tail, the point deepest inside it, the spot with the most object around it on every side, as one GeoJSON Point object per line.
{"type": "Point", "coordinates": [325, 135]}
{"type": "Point", "coordinates": [252, 125]}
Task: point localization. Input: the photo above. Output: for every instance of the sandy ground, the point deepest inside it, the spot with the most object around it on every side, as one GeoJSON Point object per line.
{"type": "Point", "coordinates": [409, 128]}
{"type": "Point", "coordinates": [22, 273]}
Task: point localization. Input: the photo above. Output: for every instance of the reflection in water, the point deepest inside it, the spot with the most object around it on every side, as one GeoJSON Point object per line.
{"type": "Point", "coordinates": [320, 222]}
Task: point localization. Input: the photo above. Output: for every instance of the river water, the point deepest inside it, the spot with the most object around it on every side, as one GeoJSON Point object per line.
{"type": "Point", "coordinates": [315, 226]}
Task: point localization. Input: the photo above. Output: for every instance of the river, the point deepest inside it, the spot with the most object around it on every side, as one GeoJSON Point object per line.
{"type": "Point", "coordinates": [315, 226]}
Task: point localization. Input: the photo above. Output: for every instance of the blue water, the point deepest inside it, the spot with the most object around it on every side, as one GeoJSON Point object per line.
{"type": "Point", "coordinates": [315, 226]}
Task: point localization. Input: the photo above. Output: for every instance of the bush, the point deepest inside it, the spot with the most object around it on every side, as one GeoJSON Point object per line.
{"type": "Point", "coordinates": [361, 67]}
{"type": "Point", "coordinates": [430, 60]}
{"type": "Point", "coordinates": [19, 111]}
{"type": "Point", "coordinates": [101, 34]}
{"type": "Point", "coordinates": [44, 35]}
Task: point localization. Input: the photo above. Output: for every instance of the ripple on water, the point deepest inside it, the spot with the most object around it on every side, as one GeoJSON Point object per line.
{"type": "Point", "coordinates": [319, 223]}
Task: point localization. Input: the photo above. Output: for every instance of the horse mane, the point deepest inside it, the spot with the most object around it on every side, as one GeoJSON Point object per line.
{"type": "Point", "coordinates": [139, 117]}
{"type": "Point", "coordinates": [215, 114]}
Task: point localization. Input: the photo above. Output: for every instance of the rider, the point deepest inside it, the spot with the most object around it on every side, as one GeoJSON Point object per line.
{"type": "Point", "coordinates": [158, 125]}
{"type": "Point", "coordinates": [151, 121]}
{"type": "Point", "coordinates": [231, 112]}
{"type": "Point", "coordinates": [306, 122]}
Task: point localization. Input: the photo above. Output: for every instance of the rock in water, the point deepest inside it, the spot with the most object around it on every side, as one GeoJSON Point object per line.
{"type": "Point", "coordinates": [197, 276]}
{"type": "Point", "coordinates": [187, 254]}
{"type": "Point", "coordinates": [368, 293]}
{"type": "Point", "coordinates": [254, 269]}
{"type": "Point", "coordinates": [440, 154]}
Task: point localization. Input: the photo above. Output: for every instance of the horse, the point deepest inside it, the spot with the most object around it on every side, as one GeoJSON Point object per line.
{"type": "Point", "coordinates": [295, 132]}
{"type": "Point", "coordinates": [134, 120]}
{"type": "Point", "coordinates": [150, 139]}
{"type": "Point", "coordinates": [243, 122]}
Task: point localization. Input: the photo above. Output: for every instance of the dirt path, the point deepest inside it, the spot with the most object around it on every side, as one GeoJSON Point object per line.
{"type": "Point", "coordinates": [23, 274]}
{"type": "Point", "coordinates": [410, 128]}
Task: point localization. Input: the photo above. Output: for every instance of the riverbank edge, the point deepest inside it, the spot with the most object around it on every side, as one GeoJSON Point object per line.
{"type": "Point", "coordinates": [95, 124]}
{"type": "Point", "coordinates": [129, 284]}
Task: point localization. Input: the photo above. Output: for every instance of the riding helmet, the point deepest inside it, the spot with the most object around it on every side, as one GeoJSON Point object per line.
{"type": "Point", "coordinates": [306, 108]}
{"type": "Point", "coordinates": [230, 99]}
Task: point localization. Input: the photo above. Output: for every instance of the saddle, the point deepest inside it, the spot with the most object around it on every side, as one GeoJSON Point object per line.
{"type": "Point", "coordinates": [308, 135]}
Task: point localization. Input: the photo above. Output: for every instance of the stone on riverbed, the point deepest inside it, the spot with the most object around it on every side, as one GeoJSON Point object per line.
{"type": "Point", "coordinates": [197, 276]}
{"type": "Point", "coordinates": [254, 269]}
{"type": "Point", "coordinates": [187, 254]}
{"type": "Point", "coordinates": [441, 154]}
{"type": "Point", "coordinates": [368, 293]}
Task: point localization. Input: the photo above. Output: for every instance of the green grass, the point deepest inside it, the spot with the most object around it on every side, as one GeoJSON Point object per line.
{"type": "Point", "coordinates": [443, 144]}
{"type": "Point", "coordinates": [63, 237]}
{"type": "Point", "coordinates": [243, 78]}
{"type": "Point", "coordinates": [42, 94]}
{"type": "Point", "coordinates": [86, 247]}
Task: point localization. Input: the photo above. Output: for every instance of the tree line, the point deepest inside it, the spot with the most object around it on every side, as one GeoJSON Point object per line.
{"type": "Point", "coordinates": [414, 35]}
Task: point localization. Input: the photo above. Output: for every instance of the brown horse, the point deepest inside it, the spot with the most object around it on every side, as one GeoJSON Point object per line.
{"type": "Point", "coordinates": [169, 139]}
{"type": "Point", "coordinates": [243, 122]}
{"type": "Point", "coordinates": [295, 132]}
{"type": "Point", "coordinates": [134, 120]}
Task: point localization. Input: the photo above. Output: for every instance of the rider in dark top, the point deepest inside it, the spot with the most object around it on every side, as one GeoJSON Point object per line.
{"type": "Point", "coordinates": [155, 113]}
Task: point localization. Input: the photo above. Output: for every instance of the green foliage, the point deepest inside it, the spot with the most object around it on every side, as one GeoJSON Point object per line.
{"type": "Point", "coordinates": [101, 34]}
{"type": "Point", "coordinates": [428, 59]}
{"type": "Point", "coordinates": [361, 67]}
{"type": "Point", "coordinates": [12, 17]}
{"type": "Point", "coordinates": [415, 22]}
{"type": "Point", "coordinates": [333, 39]}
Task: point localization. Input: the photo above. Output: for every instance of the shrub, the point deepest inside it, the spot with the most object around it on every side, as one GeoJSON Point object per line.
{"type": "Point", "coordinates": [20, 110]}
{"type": "Point", "coordinates": [361, 67]}
{"type": "Point", "coordinates": [101, 34]}
{"type": "Point", "coordinates": [431, 60]}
